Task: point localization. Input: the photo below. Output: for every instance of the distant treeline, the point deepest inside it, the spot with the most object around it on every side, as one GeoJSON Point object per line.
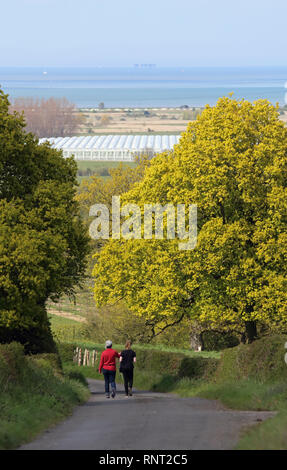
{"type": "Point", "coordinates": [99, 171]}
{"type": "Point", "coordinates": [54, 117]}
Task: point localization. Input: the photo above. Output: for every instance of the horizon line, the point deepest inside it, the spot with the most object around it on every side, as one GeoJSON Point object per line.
{"type": "Point", "coordinates": [141, 66]}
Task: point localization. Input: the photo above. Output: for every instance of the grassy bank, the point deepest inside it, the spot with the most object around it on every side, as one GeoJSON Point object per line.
{"type": "Point", "coordinates": [34, 394]}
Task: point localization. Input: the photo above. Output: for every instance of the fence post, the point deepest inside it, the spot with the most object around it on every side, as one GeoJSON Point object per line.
{"type": "Point", "coordinates": [93, 358]}
{"type": "Point", "coordinates": [80, 357]}
{"type": "Point", "coordinates": [76, 352]}
{"type": "Point", "coordinates": [88, 358]}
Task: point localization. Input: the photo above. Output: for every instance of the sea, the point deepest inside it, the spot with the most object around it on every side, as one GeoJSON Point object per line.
{"type": "Point", "coordinates": [146, 86]}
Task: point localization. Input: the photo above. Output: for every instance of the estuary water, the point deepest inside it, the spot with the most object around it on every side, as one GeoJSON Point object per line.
{"type": "Point", "coordinates": [146, 87]}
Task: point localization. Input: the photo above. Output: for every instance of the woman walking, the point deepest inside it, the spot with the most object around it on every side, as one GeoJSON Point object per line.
{"type": "Point", "coordinates": [108, 366]}
{"type": "Point", "coordinates": [127, 360]}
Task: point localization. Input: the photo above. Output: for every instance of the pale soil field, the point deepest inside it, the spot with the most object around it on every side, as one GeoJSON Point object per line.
{"type": "Point", "coordinates": [140, 121]}
{"type": "Point", "coordinates": [68, 315]}
{"type": "Point", "coordinates": [137, 121]}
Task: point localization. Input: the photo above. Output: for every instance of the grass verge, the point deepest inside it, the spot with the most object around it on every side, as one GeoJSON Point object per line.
{"type": "Point", "coordinates": [34, 394]}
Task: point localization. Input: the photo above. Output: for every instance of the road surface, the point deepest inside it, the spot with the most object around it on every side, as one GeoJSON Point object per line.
{"type": "Point", "coordinates": [147, 421]}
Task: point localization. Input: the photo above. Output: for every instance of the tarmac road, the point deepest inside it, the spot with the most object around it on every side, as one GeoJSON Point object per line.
{"type": "Point", "coordinates": [147, 421]}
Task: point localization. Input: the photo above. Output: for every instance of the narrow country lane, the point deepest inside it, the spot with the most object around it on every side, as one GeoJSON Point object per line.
{"type": "Point", "coordinates": [147, 421]}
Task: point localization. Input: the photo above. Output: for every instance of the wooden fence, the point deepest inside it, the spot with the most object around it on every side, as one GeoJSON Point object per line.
{"type": "Point", "coordinates": [85, 357]}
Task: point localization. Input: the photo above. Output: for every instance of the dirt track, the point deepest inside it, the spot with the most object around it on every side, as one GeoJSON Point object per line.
{"type": "Point", "coordinates": [70, 316]}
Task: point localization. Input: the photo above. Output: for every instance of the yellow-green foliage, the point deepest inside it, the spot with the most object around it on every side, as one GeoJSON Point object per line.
{"type": "Point", "coordinates": [43, 243]}
{"type": "Point", "coordinates": [232, 163]}
{"type": "Point", "coordinates": [96, 190]}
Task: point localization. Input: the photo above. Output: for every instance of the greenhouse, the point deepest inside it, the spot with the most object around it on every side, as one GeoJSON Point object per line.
{"type": "Point", "coordinates": [112, 147]}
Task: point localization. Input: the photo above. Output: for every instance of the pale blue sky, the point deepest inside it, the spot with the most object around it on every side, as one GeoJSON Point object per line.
{"type": "Point", "coordinates": [124, 32]}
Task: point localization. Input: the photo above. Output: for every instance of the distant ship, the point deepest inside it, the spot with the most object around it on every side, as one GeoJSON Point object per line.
{"type": "Point", "coordinates": [145, 65]}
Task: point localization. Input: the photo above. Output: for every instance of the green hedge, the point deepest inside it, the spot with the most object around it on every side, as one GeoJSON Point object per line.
{"type": "Point", "coordinates": [160, 362]}
{"type": "Point", "coordinates": [34, 393]}
{"type": "Point", "coordinates": [66, 351]}
{"type": "Point", "coordinates": [217, 341]}
{"type": "Point", "coordinates": [49, 360]}
{"type": "Point", "coordinates": [12, 365]}
{"type": "Point", "coordinates": [175, 364]}
{"type": "Point", "coordinates": [262, 360]}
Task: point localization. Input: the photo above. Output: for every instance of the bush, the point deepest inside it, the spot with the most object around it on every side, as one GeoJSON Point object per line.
{"type": "Point", "coordinates": [103, 172]}
{"type": "Point", "coordinates": [12, 364]}
{"type": "Point", "coordinates": [66, 351]}
{"type": "Point", "coordinates": [35, 339]}
{"type": "Point", "coordinates": [262, 360]}
{"type": "Point", "coordinates": [197, 367]}
{"type": "Point", "coordinates": [49, 360]}
{"type": "Point", "coordinates": [76, 375]}
{"type": "Point", "coordinates": [216, 341]}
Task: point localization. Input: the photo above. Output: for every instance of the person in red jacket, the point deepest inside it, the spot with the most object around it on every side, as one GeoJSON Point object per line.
{"type": "Point", "coordinates": [108, 366]}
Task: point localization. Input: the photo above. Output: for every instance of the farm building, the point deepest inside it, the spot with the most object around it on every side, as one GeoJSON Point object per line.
{"type": "Point", "coordinates": [112, 147]}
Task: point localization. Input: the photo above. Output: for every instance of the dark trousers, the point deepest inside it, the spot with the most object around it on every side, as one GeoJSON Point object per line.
{"type": "Point", "coordinates": [110, 376]}
{"type": "Point", "coordinates": [128, 379]}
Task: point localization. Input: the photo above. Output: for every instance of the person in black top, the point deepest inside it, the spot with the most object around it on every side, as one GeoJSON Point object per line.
{"type": "Point", "coordinates": [127, 360]}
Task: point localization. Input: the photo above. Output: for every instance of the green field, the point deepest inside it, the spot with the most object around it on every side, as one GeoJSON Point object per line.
{"type": "Point", "coordinates": [95, 165]}
{"type": "Point", "coordinates": [72, 331]}
{"type": "Point", "coordinates": [65, 329]}
{"type": "Point", "coordinates": [99, 168]}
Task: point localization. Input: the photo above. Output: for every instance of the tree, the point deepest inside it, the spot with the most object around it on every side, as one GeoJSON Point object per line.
{"type": "Point", "coordinates": [43, 243]}
{"type": "Point", "coordinates": [116, 322]}
{"type": "Point", "coordinates": [96, 190]}
{"type": "Point", "coordinates": [54, 117]}
{"type": "Point", "coordinates": [232, 163]}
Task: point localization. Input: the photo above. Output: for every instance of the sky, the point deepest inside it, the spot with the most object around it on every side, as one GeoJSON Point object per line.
{"type": "Point", "coordinates": [90, 33]}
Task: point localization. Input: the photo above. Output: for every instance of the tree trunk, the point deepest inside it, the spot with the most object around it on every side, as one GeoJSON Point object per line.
{"type": "Point", "coordinates": [196, 341]}
{"type": "Point", "coordinates": [251, 331]}
{"type": "Point", "coordinates": [242, 338]}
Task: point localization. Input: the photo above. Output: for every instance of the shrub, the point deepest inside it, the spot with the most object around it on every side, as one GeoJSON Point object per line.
{"type": "Point", "coordinates": [12, 364]}
{"type": "Point", "coordinates": [66, 351]}
{"type": "Point", "coordinates": [216, 341]}
{"type": "Point", "coordinates": [198, 367]}
{"type": "Point", "coordinates": [262, 360]}
{"type": "Point", "coordinates": [49, 360]}
{"type": "Point", "coordinates": [76, 375]}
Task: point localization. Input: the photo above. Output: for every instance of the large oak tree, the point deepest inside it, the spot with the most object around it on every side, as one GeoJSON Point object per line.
{"type": "Point", "coordinates": [232, 163]}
